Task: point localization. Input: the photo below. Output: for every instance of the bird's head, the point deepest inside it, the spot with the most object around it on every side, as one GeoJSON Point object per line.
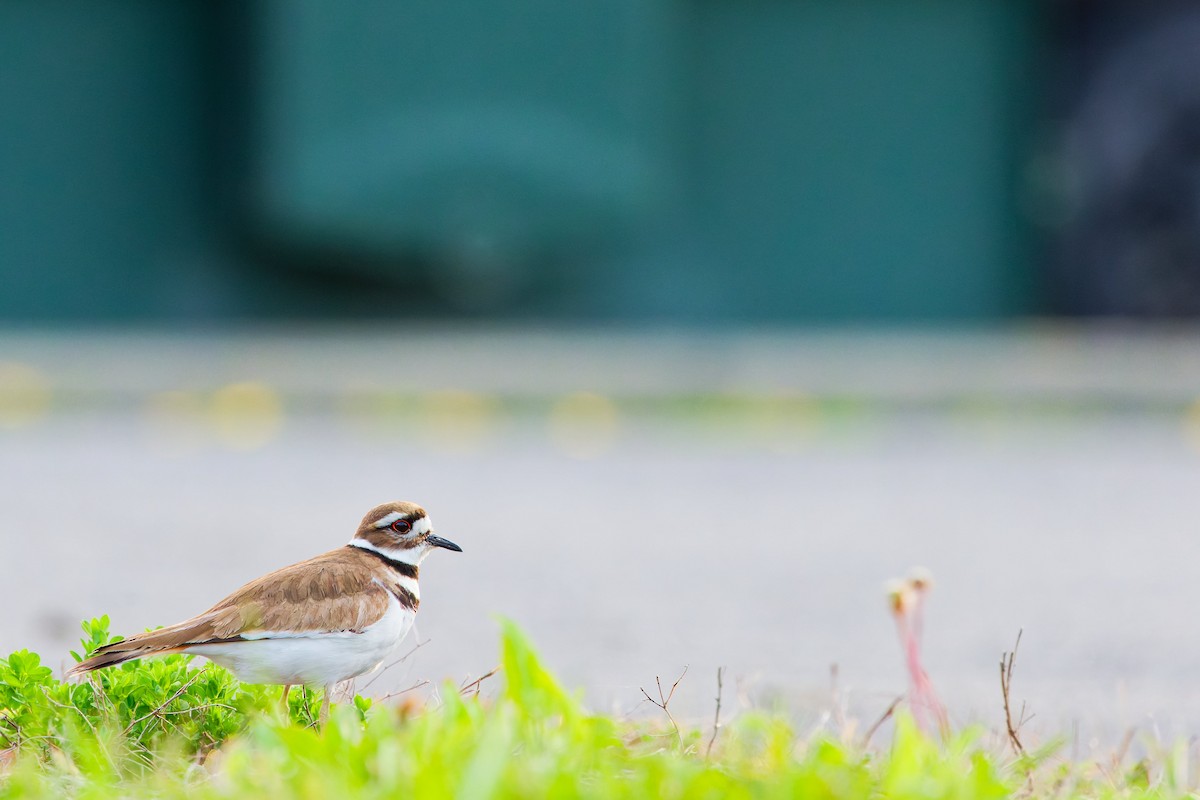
{"type": "Point", "coordinates": [401, 531]}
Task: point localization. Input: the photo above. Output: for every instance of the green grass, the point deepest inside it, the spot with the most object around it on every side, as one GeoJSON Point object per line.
{"type": "Point", "coordinates": [162, 728]}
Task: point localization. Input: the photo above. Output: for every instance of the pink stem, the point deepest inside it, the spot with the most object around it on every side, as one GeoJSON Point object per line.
{"type": "Point", "coordinates": [921, 696]}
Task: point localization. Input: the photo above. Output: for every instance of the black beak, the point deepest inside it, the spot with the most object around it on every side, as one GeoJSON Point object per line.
{"type": "Point", "coordinates": [438, 541]}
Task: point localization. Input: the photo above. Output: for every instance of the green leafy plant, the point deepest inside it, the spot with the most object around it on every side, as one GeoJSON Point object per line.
{"type": "Point", "coordinates": [141, 704]}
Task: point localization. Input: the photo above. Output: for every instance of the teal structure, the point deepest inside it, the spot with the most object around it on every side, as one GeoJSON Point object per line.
{"type": "Point", "coordinates": [707, 161]}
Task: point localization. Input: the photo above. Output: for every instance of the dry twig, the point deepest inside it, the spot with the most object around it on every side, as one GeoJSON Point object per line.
{"type": "Point", "coordinates": [835, 699]}
{"type": "Point", "coordinates": [891, 709]}
{"type": "Point", "coordinates": [717, 714]}
{"type": "Point", "coordinates": [397, 662]}
{"type": "Point", "coordinates": [1006, 669]}
{"type": "Point", "coordinates": [66, 707]}
{"type": "Point", "coordinates": [201, 707]}
{"type": "Point", "coordinates": [157, 712]}
{"type": "Point", "coordinates": [664, 701]}
{"type": "Point", "coordinates": [7, 722]}
{"type": "Point", "coordinates": [1123, 750]}
{"type": "Point", "coordinates": [466, 687]}
{"type": "Point", "coordinates": [399, 692]}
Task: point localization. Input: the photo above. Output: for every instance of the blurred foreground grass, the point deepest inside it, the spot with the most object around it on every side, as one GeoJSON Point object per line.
{"type": "Point", "coordinates": [163, 729]}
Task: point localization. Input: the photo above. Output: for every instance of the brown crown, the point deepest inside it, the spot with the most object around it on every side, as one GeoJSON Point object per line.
{"type": "Point", "coordinates": [384, 538]}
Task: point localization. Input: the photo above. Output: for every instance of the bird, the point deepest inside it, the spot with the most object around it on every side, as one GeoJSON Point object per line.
{"type": "Point", "coordinates": [315, 623]}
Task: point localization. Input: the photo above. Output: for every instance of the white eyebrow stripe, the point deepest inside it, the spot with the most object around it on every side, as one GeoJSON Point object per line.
{"type": "Point", "coordinates": [388, 520]}
{"type": "Point", "coordinates": [420, 525]}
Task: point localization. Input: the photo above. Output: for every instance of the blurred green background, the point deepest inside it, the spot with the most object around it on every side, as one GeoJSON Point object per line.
{"type": "Point", "coordinates": [650, 160]}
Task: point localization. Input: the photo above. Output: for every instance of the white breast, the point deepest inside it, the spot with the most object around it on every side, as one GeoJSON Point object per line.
{"type": "Point", "coordinates": [315, 659]}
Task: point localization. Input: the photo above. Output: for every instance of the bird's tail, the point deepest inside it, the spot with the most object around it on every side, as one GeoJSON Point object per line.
{"type": "Point", "coordinates": [173, 639]}
{"type": "Point", "coordinates": [106, 659]}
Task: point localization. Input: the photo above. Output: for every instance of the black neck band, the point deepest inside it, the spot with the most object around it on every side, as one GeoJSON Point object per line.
{"type": "Point", "coordinates": [404, 569]}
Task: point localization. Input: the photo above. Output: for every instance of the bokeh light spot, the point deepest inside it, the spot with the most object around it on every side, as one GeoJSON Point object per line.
{"type": "Point", "coordinates": [246, 415]}
{"type": "Point", "coordinates": [1191, 425]}
{"type": "Point", "coordinates": [584, 424]}
{"type": "Point", "coordinates": [785, 423]}
{"type": "Point", "coordinates": [24, 394]}
{"type": "Point", "coordinates": [457, 420]}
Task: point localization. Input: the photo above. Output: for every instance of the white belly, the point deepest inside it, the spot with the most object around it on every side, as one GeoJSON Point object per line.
{"type": "Point", "coordinates": [314, 659]}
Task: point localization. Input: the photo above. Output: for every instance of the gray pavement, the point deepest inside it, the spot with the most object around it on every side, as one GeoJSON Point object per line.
{"type": "Point", "coordinates": [1047, 478]}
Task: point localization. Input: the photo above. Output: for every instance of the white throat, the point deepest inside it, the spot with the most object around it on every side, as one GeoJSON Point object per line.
{"type": "Point", "coordinates": [413, 556]}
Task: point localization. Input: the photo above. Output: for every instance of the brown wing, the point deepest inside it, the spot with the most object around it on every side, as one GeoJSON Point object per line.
{"type": "Point", "coordinates": [334, 591]}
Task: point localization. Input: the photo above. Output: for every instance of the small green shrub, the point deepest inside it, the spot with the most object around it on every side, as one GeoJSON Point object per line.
{"type": "Point", "coordinates": [141, 703]}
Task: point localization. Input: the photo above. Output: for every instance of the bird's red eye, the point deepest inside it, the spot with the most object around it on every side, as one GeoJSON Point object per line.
{"type": "Point", "coordinates": [401, 526]}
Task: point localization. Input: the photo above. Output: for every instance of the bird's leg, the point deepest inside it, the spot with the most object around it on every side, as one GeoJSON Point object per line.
{"type": "Point", "coordinates": [287, 687]}
{"type": "Point", "coordinates": [325, 703]}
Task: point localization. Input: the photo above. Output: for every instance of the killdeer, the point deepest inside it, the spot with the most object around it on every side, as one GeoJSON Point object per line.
{"type": "Point", "coordinates": [316, 623]}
